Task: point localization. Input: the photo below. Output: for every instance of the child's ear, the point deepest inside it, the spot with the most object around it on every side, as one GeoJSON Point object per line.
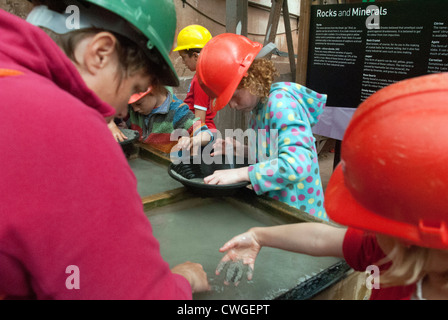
{"type": "Point", "coordinates": [100, 52]}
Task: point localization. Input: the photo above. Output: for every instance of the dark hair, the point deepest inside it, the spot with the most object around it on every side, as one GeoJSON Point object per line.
{"type": "Point", "coordinates": [191, 52]}
{"type": "Point", "coordinates": [131, 57]}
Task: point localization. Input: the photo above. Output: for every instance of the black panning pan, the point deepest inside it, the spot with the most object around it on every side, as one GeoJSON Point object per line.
{"type": "Point", "coordinates": [191, 175]}
{"type": "Point", "coordinates": [132, 135]}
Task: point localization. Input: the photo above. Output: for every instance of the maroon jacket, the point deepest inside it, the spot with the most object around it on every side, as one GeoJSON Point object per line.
{"type": "Point", "coordinates": [361, 250]}
{"type": "Point", "coordinates": [68, 195]}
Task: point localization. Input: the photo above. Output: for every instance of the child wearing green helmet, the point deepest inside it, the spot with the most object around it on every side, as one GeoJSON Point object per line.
{"type": "Point", "coordinates": [80, 234]}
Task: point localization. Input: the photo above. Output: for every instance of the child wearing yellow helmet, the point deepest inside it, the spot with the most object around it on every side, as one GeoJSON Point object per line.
{"type": "Point", "coordinates": [190, 42]}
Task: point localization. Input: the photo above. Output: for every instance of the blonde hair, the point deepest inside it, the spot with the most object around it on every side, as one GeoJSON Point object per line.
{"type": "Point", "coordinates": [259, 79]}
{"type": "Point", "coordinates": [408, 264]}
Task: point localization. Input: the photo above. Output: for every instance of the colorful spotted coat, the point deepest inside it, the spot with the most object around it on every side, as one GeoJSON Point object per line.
{"type": "Point", "coordinates": [286, 165]}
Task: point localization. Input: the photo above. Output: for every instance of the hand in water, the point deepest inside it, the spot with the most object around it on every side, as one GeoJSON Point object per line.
{"type": "Point", "coordinates": [242, 251]}
{"type": "Point", "coordinates": [195, 275]}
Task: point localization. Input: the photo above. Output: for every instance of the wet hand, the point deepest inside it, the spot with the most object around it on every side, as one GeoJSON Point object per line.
{"type": "Point", "coordinates": [242, 251]}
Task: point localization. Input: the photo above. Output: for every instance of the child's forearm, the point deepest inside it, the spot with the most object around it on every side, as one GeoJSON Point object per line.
{"type": "Point", "coordinates": [204, 137]}
{"type": "Point", "coordinates": [316, 239]}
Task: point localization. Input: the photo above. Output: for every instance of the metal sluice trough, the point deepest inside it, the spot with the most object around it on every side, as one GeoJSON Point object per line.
{"type": "Point", "coordinates": [191, 227]}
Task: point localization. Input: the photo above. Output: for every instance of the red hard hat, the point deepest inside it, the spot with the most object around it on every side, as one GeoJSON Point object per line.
{"type": "Point", "coordinates": [222, 64]}
{"type": "Point", "coordinates": [393, 175]}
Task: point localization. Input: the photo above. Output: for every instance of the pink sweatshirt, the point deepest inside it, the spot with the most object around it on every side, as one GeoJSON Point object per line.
{"type": "Point", "coordinates": [68, 196]}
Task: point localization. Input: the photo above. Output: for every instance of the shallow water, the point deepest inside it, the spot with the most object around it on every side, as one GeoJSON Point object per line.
{"type": "Point", "coordinates": [152, 177]}
{"type": "Point", "coordinates": [194, 230]}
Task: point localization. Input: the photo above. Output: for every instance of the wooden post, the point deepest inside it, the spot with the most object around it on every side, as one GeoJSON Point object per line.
{"type": "Point", "coordinates": [236, 22]}
{"type": "Point", "coordinates": [274, 18]}
{"type": "Point", "coordinates": [236, 16]}
{"type": "Point", "coordinates": [303, 45]}
{"type": "Point", "coordinates": [292, 59]}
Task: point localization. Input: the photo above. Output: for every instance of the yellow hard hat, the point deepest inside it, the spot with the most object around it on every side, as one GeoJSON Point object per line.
{"type": "Point", "coordinates": [192, 36]}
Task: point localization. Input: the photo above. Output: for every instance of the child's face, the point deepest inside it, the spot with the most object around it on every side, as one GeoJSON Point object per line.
{"type": "Point", "coordinates": [98, 65]}
{"type": "Point", "coordinates": [145, 105]}
{"type": "Point", "coordinates": [243, 100]}
{"type": "Point", "coordinates": [189, 62]}
{"type": "Point", "coordinates": [119, 99]}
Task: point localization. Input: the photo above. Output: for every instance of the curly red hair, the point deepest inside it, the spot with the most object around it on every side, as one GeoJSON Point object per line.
{"type": "Point", "coordinates": [260, 77]}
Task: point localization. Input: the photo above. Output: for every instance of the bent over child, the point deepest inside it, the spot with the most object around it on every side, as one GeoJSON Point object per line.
{"type": "Point", "coordinates": [158, 113]}
{"type": "Point", "coordinates": [282, 114]}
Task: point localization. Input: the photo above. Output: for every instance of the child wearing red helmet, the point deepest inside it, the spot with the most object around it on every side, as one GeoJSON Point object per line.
{"type": "Point", "coordinates": [389, 189]}
{"type": "Point", "coordinates": [283, 160]}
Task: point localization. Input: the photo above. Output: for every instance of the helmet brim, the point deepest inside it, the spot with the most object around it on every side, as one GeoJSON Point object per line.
{"type": "Point", "coordinates": [135, 97]}
{"type": "Point", "coordinates": [224, 98]}
{"type": "Point", "coordinates": [344, 209]}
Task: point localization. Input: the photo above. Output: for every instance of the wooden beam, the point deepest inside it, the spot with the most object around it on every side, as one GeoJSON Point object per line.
{"type": "Point", "coordinates": [236, 16]}
{"type": "Point", "coordinates": [292, 59]}
{"type": "Point", "coordinates": [236, 22]}
{"type": "Point", "coordinates": [303, 45]}
{"type": "Point", "coordinates": [274, 18]}
{"type": "Point", "coordinates": [165, 198]}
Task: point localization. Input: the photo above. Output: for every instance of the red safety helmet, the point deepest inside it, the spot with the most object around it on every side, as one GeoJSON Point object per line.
{"type": "Point", "coordinates": [393, 175]}
{"type": "Point", "coordinates": [222, 64]}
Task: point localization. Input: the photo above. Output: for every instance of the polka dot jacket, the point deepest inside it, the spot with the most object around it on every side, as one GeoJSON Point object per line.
{"type": "Point", "coordinates": [286, 166]}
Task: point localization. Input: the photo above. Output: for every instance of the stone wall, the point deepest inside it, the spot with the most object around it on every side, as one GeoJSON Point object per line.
{"type": "Point", "coordinates": [17, 7]}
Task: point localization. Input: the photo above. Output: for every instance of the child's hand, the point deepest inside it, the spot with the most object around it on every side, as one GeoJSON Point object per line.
{"type": "Point", "coordinates": [195, 275]}
{"type": "Point", "coordinates": [116, 132]}
{"type": "Point", "coordinates": [228, 176]}
{"type": "Point", "coordinates": [184, 143]}
{"type": "Point", "coordinates": [222, 145]}
{"type": "Point", "coordinates": [242, 251]}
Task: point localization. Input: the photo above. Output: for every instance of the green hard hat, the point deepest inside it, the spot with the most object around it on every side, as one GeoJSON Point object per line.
{"type": "Point", "coordinates": [149, 23]}
{"type": "Point", "coordinates": [156, 20]}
